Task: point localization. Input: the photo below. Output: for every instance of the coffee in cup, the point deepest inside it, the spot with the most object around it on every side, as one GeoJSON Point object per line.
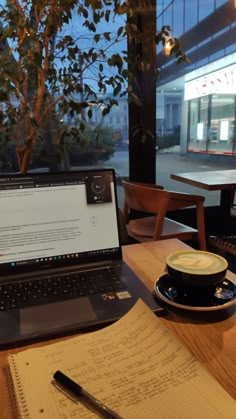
{"type": "Point", "coordinates": [196, 267]}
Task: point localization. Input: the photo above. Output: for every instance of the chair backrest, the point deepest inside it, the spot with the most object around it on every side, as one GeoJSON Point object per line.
{"type": "Point", "coordinates": [146, 198]}
{"type": "Point", "coordinates": [150, 185]}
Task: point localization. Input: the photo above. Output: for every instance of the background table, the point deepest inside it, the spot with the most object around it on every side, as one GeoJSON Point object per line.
{"type": "Point", "coordinates": [219, 180]}
{"type": "Point", "coordinates": [210, 336]}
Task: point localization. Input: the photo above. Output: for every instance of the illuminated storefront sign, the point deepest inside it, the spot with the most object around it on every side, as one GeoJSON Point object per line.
{"type": "Point", "coordinates": [219, 82]}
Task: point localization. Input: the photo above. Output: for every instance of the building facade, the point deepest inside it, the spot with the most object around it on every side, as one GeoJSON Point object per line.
{"type": "Point", "coordinates": [206, 85]}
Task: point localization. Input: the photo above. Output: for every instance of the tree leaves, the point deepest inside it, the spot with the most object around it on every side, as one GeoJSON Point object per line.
{"type": "Point", "coordinates": [52, 71]}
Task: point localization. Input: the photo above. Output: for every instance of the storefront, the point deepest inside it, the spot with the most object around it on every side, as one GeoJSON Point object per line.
{"type": "Point", "coordinates": [211, 112]}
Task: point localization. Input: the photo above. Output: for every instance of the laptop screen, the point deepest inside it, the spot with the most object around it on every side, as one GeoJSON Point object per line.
{"type": "Point", "coordinates": [50, 219]}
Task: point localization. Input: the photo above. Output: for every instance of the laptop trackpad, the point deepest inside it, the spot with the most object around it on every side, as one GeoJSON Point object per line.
{"type": "Point", "coordinates": [59, 315]}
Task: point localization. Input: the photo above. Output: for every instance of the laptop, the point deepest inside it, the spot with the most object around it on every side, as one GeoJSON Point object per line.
{"type": "Point", "coordinates": [59, 242]}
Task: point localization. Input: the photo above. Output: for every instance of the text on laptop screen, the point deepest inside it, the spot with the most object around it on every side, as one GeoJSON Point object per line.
{"type": "Point", "coordinates": [51, 218]}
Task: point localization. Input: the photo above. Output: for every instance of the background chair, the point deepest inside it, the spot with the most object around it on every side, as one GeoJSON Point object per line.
{"type": "Point", "coordinates": [148, 199]}
{"type": "Point", "coordinates": [223, 244]}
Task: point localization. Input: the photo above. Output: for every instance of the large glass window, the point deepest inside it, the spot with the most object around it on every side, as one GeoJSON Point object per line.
{"type": "Point", "coordinates": [207, 122]}
{"type": "Point", "coordinates": [106, 138]}
{"type": "Point", "coordinates": [70, 67]}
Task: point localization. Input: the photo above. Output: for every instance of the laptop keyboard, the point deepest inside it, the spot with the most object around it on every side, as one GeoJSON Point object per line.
{"type": "Point", "coordinates": [59, 287]}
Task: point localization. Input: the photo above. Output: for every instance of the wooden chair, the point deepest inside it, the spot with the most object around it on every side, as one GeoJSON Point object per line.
{"type": "Point", "coordinates": [148, 199]}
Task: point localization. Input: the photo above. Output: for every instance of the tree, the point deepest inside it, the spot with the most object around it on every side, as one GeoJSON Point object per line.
{"type": "Point", "coordinates": [47, 72]}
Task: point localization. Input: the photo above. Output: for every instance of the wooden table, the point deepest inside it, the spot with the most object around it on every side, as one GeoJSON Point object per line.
{"type": "Point", "coordinates": [218, 180]}
{"type": "Point", "coordinates": [211, 336]}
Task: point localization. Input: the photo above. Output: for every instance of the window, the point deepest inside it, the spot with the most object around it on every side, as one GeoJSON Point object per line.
{"type": "Point", "coordinates": [178, 18]}
{"type": "Point", "coordinates": [206, 117]}
{"type": "Point", "coordinates": [205, 8]}
{"type": "Point", "coordinates": [74, 57]}
{"type": "Point", "coordinates": [191, 14]}
{"type": "Point", "coordinates": [222, 123]}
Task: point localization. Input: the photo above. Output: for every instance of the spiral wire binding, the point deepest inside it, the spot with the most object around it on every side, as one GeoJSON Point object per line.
{"type": "Point", "coordinates": [17, 391]}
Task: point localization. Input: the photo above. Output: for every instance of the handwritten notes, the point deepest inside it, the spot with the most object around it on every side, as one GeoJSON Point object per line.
{"type": "Point", "coordinates": [136, 366]}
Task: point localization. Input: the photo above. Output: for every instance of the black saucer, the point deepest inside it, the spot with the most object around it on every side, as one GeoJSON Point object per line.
{"type": "Point", "coordinates": [216, 297]}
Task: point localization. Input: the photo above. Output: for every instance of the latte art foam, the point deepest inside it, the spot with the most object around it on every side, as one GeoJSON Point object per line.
{"type": "Point", "coordinates": [197, 262]}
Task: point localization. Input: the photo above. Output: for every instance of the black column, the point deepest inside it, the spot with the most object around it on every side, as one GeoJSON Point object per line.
{"type": "Point", "coordinates": [142, 120]}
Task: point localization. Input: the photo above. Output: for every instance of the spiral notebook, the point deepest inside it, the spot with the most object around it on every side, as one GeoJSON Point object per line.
{"type": "Point", "coordinates": [135, 366]}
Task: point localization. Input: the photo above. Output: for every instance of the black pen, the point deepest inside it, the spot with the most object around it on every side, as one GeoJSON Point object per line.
{"type": "Point", "coordinates": [79, 391]}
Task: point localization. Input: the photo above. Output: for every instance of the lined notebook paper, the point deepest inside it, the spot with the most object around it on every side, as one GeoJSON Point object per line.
{"type": "Point", "coordinates": [136, 366]}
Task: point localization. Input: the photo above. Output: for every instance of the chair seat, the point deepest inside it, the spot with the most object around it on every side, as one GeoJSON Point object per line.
{"type": "Point", "coordinates": [142, 229]}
